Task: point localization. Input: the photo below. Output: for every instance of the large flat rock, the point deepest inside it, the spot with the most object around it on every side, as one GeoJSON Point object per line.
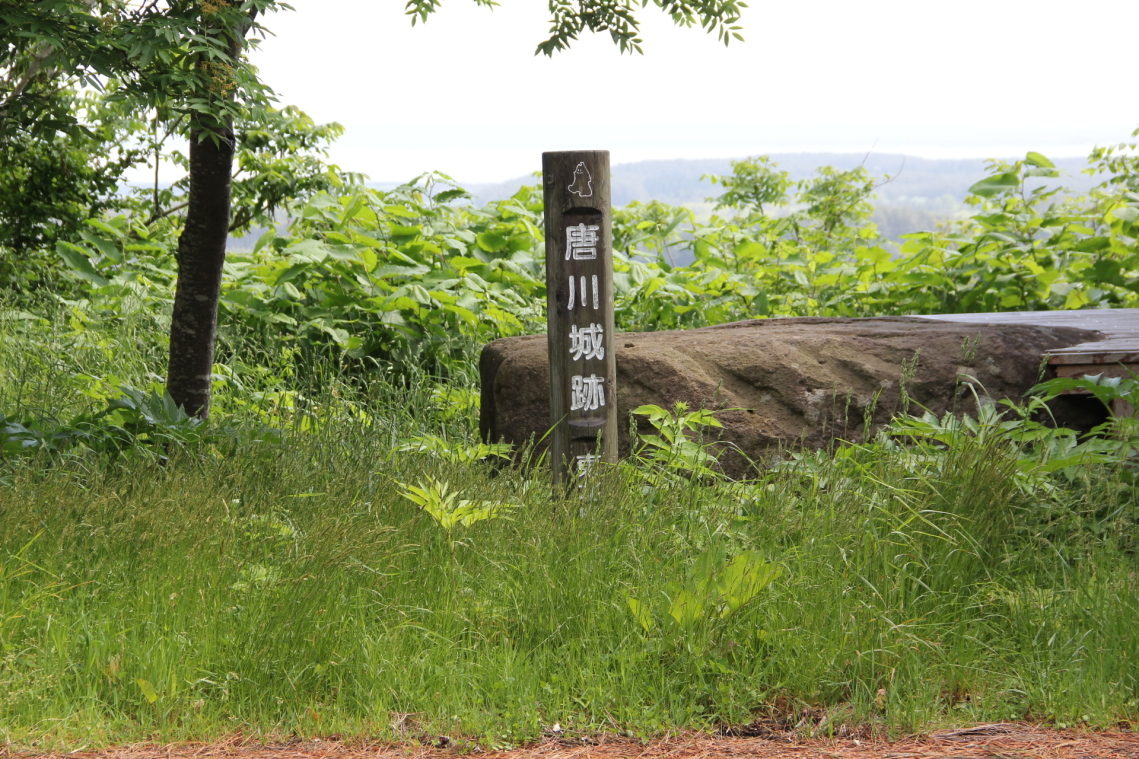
{"type": "Point", "coordinates": [783, 382]}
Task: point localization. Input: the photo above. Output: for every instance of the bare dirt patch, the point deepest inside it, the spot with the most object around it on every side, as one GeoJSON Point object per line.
{"type": "Point", "coordinates": [995, 740]}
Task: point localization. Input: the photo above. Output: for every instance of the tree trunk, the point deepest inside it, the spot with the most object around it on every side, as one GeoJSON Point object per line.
{"type": "Point", "coordinates": [201, 254]}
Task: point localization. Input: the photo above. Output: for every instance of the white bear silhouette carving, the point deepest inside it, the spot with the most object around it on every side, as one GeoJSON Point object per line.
{"type": "Point", "coordinates": [582, 183]}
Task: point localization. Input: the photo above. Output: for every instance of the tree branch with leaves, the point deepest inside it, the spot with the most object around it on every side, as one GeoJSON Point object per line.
{"type": "Point", "coordinates": [188, 58]}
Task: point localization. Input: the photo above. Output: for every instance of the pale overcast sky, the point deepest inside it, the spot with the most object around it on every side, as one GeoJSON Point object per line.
{"type": "Point", "coordinates": [465, 93]}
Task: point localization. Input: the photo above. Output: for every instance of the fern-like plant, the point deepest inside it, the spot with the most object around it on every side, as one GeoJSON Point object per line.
{"type": "Point", "coordinates": [449, 511]}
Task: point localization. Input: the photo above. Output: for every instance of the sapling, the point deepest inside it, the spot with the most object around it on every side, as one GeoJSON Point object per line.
{"type": "Point", "coordinates": [444, 507]}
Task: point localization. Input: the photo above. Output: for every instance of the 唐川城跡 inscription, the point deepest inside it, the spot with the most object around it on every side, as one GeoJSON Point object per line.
{"type": "Point", "coordinates": [579, 285]}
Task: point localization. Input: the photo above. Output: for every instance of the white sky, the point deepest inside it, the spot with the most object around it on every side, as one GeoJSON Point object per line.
{"type": "Point", "coordinates": [466, 95]}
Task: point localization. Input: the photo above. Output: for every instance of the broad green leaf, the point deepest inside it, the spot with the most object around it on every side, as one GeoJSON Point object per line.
{"type": "Point", "coordinates": [751, 250]}
{"type": "Point", "coordinates": [1076, 299]}
{"type": "Point", "coordinates": [310, 250]}
{"type": "Point", "coordinates": [465, 262]}
{"type": "Point", "coordinates": [465, 314]}
{"type": "Point", "coordinates": [106, 228]}
{"type": "Point", "coordinates": [1125, 213]}
{"type": "Point", "coordinates": [1093, 244]}
{"type": "Point", "coordinates": [519, 243]}
{"type": "Point", "coordinates": [76, 258]}
{"type": "Point", "coordinates": [874, 256]}
{"type": "Point", "coordinates": [448, 195]}
{"type": "Point", "coordinates": [291, 273]}
{"type": "Point", "coordinates": [400, 211]}
{"type": "Point", "coordinates": [996, 184]}
{"type": "Point", "coordinates": [653, 411]}
{"type": "Point", "coordinates": [1108, 271]}
{"type": "Point", "coordinates": [392, 270]}
{"type": "Point", "coordinates": [686, 609]}
{"type": "Point", "coordinates": [274, 318]}
{"type": "Point", "coordinates": [351, 210]}
{"type": "Point", "coordinates": [491, 242]}
{"type": "Point", "coordinates": [148, 691]}
{"type": "Point", "coordinates": [744, 577]}
{"type": "Point", "coordinates": [1038, 160]}
{"type": "Point", "coordinates": [641, 614]}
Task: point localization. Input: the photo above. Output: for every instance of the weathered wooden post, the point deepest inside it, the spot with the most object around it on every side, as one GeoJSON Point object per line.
{"type": "Point", "coordinates": [579, 287]}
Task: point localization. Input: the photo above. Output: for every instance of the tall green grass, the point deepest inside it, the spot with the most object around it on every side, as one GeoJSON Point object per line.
{"type": "Point", "coordinates": [279, 588]}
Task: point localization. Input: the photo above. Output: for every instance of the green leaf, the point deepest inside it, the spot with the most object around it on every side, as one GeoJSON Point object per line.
{"type": "Point", "coordinates": [686, 608]}
{"type": "Point", "coordinates": [744, 577]}
{"type": "Point", "coordinates": [1109, 271]}
{"type": "Point", "coordinates": [1076, 299]}
{"type": "Point", "coordinates": [491, 242]}
{"type": "Point", "coordinates": [448, 195]}
{"type": "Point", "coordinates": [751, 250]}
{"type": "Point", "coordinates": [1093, 244]}
{"type": "Point", "coordinates": [148, 691]}
{"type": "Point", "coordinates": [351, 210]}
{"type": "Point", "coordinates": [291, 273]}
{"type": "Point", "coordinates": [1125, 213]}
{"type": "Point", "coordinates": [106, 228]}
{"type": "Point", "coordinates": [339, 335]}
{"type": "Point", "coordinates": [995, 185]}
{"type": "Point", "coordinates": [401, 211]}
{"type": "Point", "coordinates": [874, 256]}
{"type": "Point", "coordinates": [1038, 160]}
{"type": "Point", "coordinates": [465, 262]}
{"type": "Point", "coordinates": [312, 250]}
{"type": "Point", "coordinates": [651, 410]}
{"type": "Point", "coordinates": [76, 258]}
{"type": "Point", "coordinates": [466, 315]}
{"type": "Point", "coordinates": [641, 614]}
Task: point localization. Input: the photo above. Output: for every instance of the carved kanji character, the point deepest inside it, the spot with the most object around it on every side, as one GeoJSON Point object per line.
{"type": "Point", "coordinates": [581, 242]}
{"type": "Point", "coordinates": [587, 393]}
{"type": "Point", "coordinates": [587, 342]}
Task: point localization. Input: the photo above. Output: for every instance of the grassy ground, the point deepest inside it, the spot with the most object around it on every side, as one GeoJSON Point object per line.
{"type": "Point", "coordinates": [290, 587]}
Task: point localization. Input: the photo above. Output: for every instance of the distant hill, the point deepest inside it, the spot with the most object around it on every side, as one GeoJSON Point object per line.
{"type": "Point", "coordinates": [920, 193]}
{"type": "Point", "coordinates": [679, 181]}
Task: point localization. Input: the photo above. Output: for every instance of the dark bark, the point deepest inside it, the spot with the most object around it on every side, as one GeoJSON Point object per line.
{"type": "Point", "coordinates": [201, 254]}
